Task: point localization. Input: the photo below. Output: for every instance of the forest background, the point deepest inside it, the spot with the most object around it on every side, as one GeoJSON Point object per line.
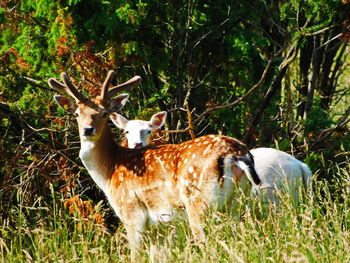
{"type": "Point", "coordinates": [270, 73]}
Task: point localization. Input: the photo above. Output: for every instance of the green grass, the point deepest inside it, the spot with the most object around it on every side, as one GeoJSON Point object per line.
{"type": "Point", "coordinates": [315, 231]}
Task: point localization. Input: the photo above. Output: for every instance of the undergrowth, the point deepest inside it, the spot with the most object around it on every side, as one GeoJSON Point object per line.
{"type": "Point", "coordinates": [316, 230]}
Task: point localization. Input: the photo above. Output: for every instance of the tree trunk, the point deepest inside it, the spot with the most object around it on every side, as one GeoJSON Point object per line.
{"type": "Point", "coordinates": [304, 65]}
{"type": "Point", "coordinates": [326, 84]}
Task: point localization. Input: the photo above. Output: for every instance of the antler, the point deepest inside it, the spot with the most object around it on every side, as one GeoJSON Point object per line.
{"type": "Point", "coordinates": [67, 87]}
{"type": "Point", "coordinates": [107, 94]}
{"type": "Point", "coordinates": [106, 84]}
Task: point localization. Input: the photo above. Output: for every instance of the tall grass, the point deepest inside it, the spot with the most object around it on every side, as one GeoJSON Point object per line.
{"type": "Point", "coordinates": [317, 230]}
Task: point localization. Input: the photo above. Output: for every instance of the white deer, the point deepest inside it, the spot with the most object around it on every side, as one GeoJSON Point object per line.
{"type": "Point", "coordinates": [138, 132]}
{"type": "Point", "coordinates": [278, 171]}
{"type": "Point", "coordinates": [150, 184]}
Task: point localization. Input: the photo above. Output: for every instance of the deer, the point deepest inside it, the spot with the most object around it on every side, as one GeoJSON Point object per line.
{"type": "Point", "coordinates": [280, 172]}
{"type": "Point", "coordinates": [277, 170]}
{"type": "Point", "coordinates": [139, 133]}
{"type": "Point", "coordinates": [152, 184]}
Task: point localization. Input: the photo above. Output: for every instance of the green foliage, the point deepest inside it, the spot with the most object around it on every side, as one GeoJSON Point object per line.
{"type": "Point", "coordinates": [32, 100]}
{"type": "Point", "coordinates": [318, 119]}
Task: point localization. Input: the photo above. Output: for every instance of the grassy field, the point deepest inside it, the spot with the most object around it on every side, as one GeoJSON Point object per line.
{"type": "Point", "coordinates": [315, 231]}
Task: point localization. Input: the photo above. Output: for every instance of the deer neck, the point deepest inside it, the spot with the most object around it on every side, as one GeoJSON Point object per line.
{"type": "Point", "coordinates": [98, 157]}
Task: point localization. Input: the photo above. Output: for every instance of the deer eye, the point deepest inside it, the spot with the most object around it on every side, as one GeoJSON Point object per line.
{"type": "Point", "coordinates": [125, 132]}
{"type": "Point", "coordinates": [75, 114]}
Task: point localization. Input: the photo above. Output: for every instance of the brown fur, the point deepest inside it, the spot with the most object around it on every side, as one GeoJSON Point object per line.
{"type": "Point", "coordinates": [169, 177]}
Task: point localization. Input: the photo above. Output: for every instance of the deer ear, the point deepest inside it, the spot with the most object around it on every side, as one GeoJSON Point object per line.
{"type": "Point", "coordinates": [118, 120]}
{"type": "Point", "coordinates": [118, 102]}
{"type": "Point", "coordinates": [158, 119]}
{"type": "Point", "coordinates": [65, 103]}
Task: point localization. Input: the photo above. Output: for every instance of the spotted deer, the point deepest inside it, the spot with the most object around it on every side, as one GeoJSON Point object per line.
{"type": "Point", "coordinates": [150, 184]}
{"type": "Point", "coordinates": [278, 171]}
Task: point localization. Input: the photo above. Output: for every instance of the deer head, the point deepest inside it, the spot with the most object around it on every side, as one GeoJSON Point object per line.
{"type": "Point", "coordinates": [138, 132]}
{"type": "Point", "coordinates": [92, 114]}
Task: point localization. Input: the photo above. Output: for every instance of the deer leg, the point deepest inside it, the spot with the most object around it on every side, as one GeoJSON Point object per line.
{"type": "Point", "coordinates": [195, 211]}
{"type": "Point", "coordinates": [134, 224]}
{"type": "Point", "coordinates": [134, 238]}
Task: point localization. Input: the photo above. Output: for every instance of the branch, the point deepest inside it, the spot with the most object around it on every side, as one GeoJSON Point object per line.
{"type": "Point", "coordinates": [177, 131]}
{"type": "Point", "coordinates": [237, 101]}
{"type": "Point", "coordinates": [330, 40]}
{"type": "Point", "coordinates": [190, 124]}
{"type": "Point", "coordinates": [276, 84]}
{"type": "Point", "coordinates": [44, 129]}
{"type": "Point", "coordinates": [176, 109]}
{"type": "Point", "coordinates": [34, 82]}
{"type": "Point", "coordinates": [328, 132]}
{"type": "Point", "coordinates": [317, 32]}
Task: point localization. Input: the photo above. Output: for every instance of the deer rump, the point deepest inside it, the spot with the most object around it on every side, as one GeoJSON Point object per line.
{"type": "Point", "coordinates": [192, 176]}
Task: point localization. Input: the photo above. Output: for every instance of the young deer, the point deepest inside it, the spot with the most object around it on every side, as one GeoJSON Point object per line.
{"type": "Point", "coordinates": [277, 170]}
{"type": "Point", "coordinates": [149, 184]}
{"type": "Point", "coordinates": [139, 133]}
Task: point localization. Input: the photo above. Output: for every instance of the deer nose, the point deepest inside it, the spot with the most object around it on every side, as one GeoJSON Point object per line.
{"type": "Point", "coordinates": [88, 131]}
